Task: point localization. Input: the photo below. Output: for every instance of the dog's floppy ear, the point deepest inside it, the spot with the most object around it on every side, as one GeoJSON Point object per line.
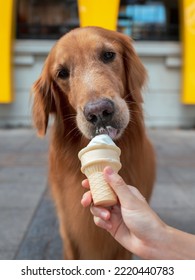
{"type": "Point", "coordinates": [135, 71]}
{"type": "Point", "coordinates": [43, 102]}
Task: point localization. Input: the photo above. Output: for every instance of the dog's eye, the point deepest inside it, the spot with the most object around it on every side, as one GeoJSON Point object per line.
{"type": "Point", "coordinates": [107, 57]}
{"type": "Point", "coordinates": [63, 73]}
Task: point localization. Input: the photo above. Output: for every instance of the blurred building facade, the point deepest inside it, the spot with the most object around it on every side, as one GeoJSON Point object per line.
{"type": "Point", "coordinates": [156, 29]}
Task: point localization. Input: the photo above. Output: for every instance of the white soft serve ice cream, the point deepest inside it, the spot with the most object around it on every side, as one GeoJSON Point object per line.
{"type": "Point", "coordinates": [101, 139]}
{"type": "Point", "coordinates": [100, 149]}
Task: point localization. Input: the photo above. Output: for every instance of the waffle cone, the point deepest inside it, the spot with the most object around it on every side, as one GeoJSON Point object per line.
{"type": "Point", "coordinates": [101, 192]}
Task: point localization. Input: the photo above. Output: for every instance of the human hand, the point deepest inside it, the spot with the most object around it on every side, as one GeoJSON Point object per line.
{"type": "Point", "coordinates": [131, 222]}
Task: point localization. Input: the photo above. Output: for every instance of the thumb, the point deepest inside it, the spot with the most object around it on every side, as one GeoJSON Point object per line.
{"type": "Point", "coordinates": [121, 189]}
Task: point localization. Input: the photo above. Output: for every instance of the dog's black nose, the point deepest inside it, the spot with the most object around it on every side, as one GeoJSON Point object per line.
{"type": "Point", "coordinates": [100, 111]}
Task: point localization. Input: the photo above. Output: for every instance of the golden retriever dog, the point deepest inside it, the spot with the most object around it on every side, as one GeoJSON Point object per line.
{"type": "Point", "coordinates": [91, 83]}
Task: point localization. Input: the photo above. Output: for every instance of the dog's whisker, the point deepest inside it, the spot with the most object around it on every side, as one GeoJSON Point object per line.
{"type": "Point", "coordinates": [135, 112]}
{"type": "Point", "coordinates": [128, 95]}
{"type": "Point", "coordinates": [75, 129]}
{"type": "Point", "coordinates": [69, 118]}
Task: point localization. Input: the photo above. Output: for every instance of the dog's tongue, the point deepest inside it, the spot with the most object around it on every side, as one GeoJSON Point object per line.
{"type": "Point", "coordinates": [112, 132]}
{"type": "Point", "coordinates": [109, 130]}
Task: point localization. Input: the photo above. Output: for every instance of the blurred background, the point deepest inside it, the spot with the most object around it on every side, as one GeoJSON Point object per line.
{"type": "Point", "coordinates": [164, 38]}
{"type": "Point", "coordinates": [163, 31]}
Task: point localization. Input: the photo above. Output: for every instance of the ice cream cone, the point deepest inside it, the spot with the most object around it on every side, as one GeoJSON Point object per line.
{"type": "Point", "coordinates": [94, 159]}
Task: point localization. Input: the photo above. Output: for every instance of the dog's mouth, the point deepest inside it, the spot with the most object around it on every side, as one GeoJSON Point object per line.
{"type": "Point", "coordinates": [109, 130]}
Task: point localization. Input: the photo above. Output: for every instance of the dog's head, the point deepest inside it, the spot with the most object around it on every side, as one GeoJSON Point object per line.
{"type": "Point", "coordinates": [91, 74]}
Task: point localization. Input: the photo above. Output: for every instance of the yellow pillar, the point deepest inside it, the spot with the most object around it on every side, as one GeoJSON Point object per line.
{"type": "Point", "coordinates": [6, 20]}
{"type": "Point", "coordinates": [188, 40]}
{"type": "Point", "coordinates": [102, 13]}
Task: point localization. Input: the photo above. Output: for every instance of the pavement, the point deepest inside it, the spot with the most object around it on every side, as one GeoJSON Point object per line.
{"type": "Point", "coordinates": [28, 223]}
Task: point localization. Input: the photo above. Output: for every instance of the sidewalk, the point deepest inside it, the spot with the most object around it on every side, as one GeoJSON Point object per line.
{"type": "Point", "coordinates": [28, 224]}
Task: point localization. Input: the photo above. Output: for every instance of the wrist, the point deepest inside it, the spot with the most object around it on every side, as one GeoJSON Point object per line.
{"type": "Point", "coordinates": [180, 244]}
{"type": "Point", "coordinates": [166, 241]}
{"type": "Point", "coordinates": [159, 243]}
{"type": "Point", "coordinates": [174, 245]}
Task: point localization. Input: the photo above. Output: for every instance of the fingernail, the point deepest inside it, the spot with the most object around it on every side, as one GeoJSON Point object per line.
{"type": "Point", "coordinates": [84, 195]}
{"type": "Point", "coordinates": [109, 171]}
{"type": "Point", "coordinates": [104, 215]}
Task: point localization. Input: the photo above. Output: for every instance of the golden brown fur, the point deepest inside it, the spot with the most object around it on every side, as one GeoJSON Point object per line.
{"type": "Point", "coordinates": [76, 74]}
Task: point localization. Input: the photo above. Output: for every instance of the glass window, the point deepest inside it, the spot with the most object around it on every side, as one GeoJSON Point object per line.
{"type": "Point", "coordinates": [140, 19]}
{"type": "Point", "coordinates": [46, 19]}
{"type": "Point", "coordinates": [149, 19]}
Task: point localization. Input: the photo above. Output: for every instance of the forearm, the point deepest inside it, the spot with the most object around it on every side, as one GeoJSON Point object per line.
{"type": "Point", "coordinates": [174, 245]}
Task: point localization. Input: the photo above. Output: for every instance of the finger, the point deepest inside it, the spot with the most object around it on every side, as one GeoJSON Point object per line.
{"type": "Point", "coordinates": [118, 185]}
{"type": "Point", "coordinates": [129, 197]}
{"type": "Point", "coordinates": [100, 212]}
{"type": "Point", "coordinates": [85, 184]}
{"type": "Point", "coordinates": [86, 199]}
{"type": "Point", "coordinates": [136, 192]}
{"type": "Point", "coordinates": [103, 224]}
